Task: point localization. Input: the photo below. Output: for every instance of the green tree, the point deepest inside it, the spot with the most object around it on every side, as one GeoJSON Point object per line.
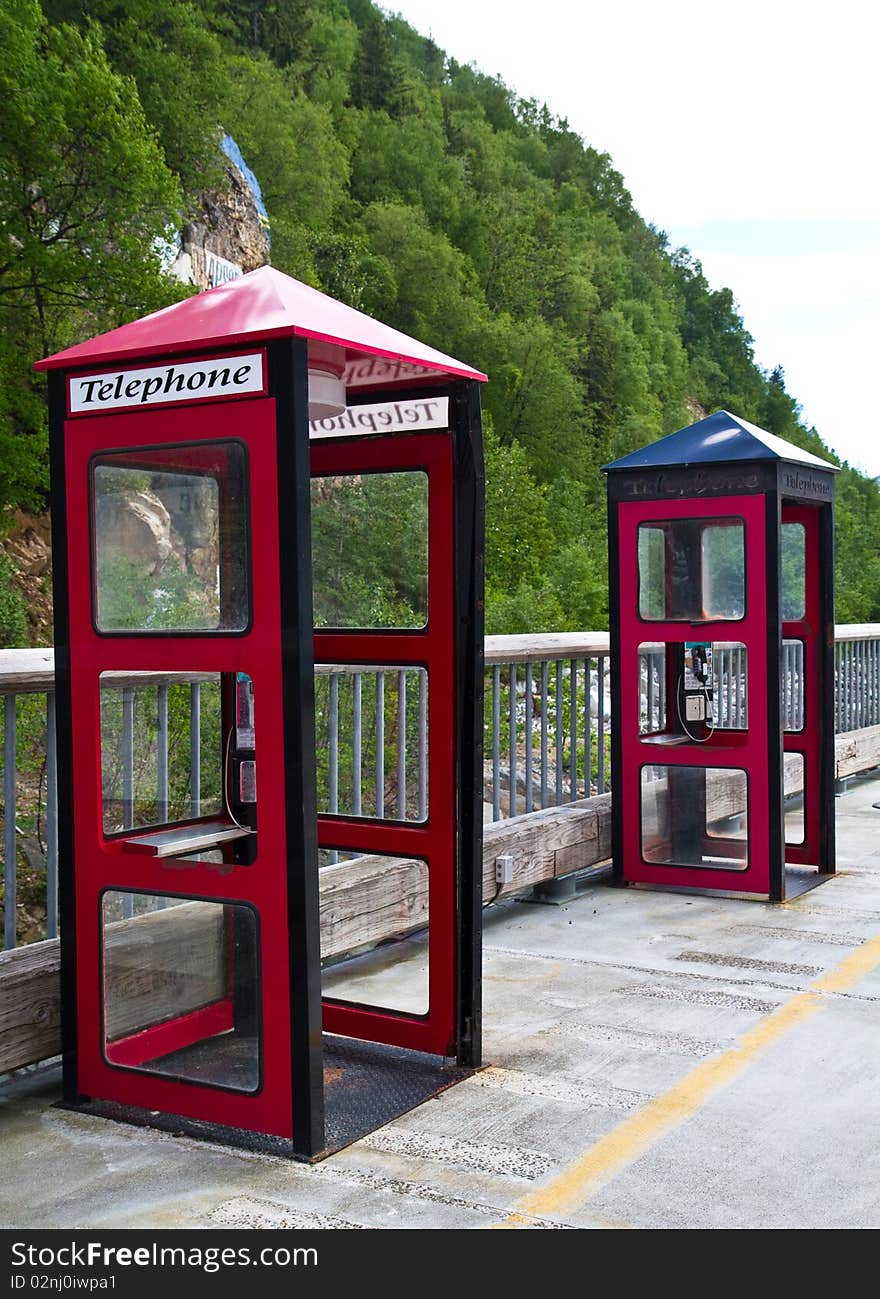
{"type": "Point", "coordinates": [85, 198]}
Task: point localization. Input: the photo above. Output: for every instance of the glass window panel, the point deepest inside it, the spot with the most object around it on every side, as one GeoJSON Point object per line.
{"type": "Point", "coordinates": [372, 741]}
{"type": "Point", "coordinates": [794, 799]}
{"type": "Point", "coordinates": [691, 570]}
{"type": "Point", "coordinates": [652, 572]}
{"type": "Point", "coordinates": [170, 539]}
{"type": "Point", "coordinates": [723, 571]}
{"type": "Point", "coordinates": [695, 816]}
{"type": "Point", "coordinates": [370, 550]}
{"type": "Point", "coordinates": [181, 984]}
{"type": "Point", "coordinates": [137, 746]}
{"type": "Point", "coordinates": [794, 565]}
{"type": "Point", "coordinates": [374, 930]}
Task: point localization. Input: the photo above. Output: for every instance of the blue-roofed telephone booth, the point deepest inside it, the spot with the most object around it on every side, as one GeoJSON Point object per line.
{"type": "Point", "coordinates": [721, 591]}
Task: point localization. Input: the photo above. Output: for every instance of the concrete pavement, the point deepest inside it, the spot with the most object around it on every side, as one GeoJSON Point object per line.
{"type": "Point", "coordinates": [654, 1060]}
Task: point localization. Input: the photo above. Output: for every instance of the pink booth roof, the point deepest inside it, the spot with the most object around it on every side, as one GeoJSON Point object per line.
{"type": "Point", "coordinates": [261, 305]}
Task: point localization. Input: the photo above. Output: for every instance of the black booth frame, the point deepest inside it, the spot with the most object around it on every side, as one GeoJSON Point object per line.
{"type": "Point", "coordinates": [287, 364]}
{"type": "Point", "coordinates": [758, 478]}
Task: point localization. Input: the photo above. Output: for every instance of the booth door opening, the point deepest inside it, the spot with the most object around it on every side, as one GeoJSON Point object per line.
{"type": "Point", "coordinates": [694, 694]}
{"type": "Point", "coordinates": [803, 687]}
{"type": "Point", "coordinates": [183, 1001]}
{"type": "Point", "coordinates": [383, 574]}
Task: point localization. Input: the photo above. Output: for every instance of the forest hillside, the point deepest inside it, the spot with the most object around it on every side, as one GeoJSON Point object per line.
{"type": "Point", "coordinates": [410, 186]}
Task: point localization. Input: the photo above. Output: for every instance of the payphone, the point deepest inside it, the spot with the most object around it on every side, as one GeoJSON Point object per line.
{"type": "Point", "coordinates": [267, 531]}
{"type": "Point", "coordinates": [721, 601]}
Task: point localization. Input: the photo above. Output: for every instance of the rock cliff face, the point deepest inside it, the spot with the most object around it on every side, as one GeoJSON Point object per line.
{"type": "Point", "coordinates": [227, 237]}
{"type": "Point", "coordinates": [28, 547]}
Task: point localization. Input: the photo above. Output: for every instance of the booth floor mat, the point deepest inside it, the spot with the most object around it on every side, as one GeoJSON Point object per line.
{"type": "Point", "coordinates": [366, 1085]}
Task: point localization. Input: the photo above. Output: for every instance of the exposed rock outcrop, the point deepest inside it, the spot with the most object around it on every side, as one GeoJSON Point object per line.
{"type": "Point", "coordinates": [28, 547]}
{"type": "Point", "coordinates": [226, 237]}
{"type": "Point", "coordinates": [137, 526]}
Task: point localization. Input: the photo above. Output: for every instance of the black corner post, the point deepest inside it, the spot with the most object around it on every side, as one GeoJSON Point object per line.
{"type": "Point", "coordinates": [469, 654]}
{"type": "Point", "coordinates": [828, 775]}
{"type": "Point", "coordinates": [288, 384]}
{"type": "Point", "coordinates": [775, 760]}
{"type": "Point", "coordinates": [63, 737]}
{"type": "Point", "coordinates": [617, 875]}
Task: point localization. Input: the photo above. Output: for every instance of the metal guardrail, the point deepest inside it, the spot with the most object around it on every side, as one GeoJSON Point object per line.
{"type": "Point", "coordinates": [547, 735]}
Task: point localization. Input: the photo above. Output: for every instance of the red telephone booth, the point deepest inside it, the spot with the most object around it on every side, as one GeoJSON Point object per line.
{"type": "Point", "coordinates": [267, 530]}
{"type": "Point", "coordinates": [722, 637]}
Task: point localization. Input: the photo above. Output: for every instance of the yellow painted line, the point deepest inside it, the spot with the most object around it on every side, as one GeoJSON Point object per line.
{"type": "Point", "coordinates": [585, 1175]}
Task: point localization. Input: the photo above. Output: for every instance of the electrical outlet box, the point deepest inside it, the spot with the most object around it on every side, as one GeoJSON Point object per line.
{"type": "Point", "coordinates": [504, 869]}
{"type": "Point", "coordinates": [694, 709]}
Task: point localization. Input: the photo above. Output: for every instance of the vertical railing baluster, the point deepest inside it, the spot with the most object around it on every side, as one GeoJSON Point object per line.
{"type": "Point", "coordinates": [423, 744]}
{"type": "Point", "coordinates": [9, 801]}
{"type": "Point", "coordinates": [162, 754]}
{"type": "Point", "coordinates": [797, 674]}
{"type": "Point", "coordinates": [127, 779]}
{"type": "Point", "coordinates": [797, 685]}
{"type": "Point", "coordinates": [511, 744]}
{"type": "Point", "coordinates": [356, 741]}
{"type": "Point", "coordinates": [161, 763]}
{"type": "Point", "coordinates": [545, 674]}
{"type": "Point", "coordinates": [380, 744]}
{"type": "Point", "coordinates": [857, 682]}
{"type": "Point", "coordinates": [333, 745]}
{"type": "Point", "coordinates": [195, 748]}
{"type": "Point", "coordinates": [648, 660]}
{"type": "Point", "coordinates": [838, 690]}
{"type": "Point", "coordinates": [127, 758]}
{"type": "Point", "coordinates": [333, 755]}
{"type": "Point", "coordinates": [572, 721]}
{"type": "Point", "coordinates": [559, 735]}
{"type": "Point", "coordinates": [589, 728]}
{"type": "Point", "coordinates": [51, 819]}
{"type": "Point", "coordinates": [528, 736]}
{"type": "Point", "coordinates": [847, 672]}
{"type": "Point", "coordinates": [847, 675]}
{"type": "Point", "coordinates": [401, 745]}
{"type": "Point", "coordinates": [600, 756]}
{"type": "Point", "coordinates": [496, 742]}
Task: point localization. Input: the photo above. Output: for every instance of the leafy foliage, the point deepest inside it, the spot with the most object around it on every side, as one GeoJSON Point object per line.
{"type": "Point", "coordinates": [412, 187]}
{"type": "Point", "coordinates": [13, 615]}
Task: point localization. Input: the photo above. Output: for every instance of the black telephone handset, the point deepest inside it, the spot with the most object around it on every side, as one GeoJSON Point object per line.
{"type": "Point", "coordinates": [695, 704]}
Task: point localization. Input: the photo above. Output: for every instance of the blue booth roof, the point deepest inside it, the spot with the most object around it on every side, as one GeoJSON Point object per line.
{"type": "Point", "coordinates": [718, 439]}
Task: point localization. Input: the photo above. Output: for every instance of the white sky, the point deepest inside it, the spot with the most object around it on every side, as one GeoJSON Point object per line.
{"type": "Point", "coordinates": [747, 132]}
